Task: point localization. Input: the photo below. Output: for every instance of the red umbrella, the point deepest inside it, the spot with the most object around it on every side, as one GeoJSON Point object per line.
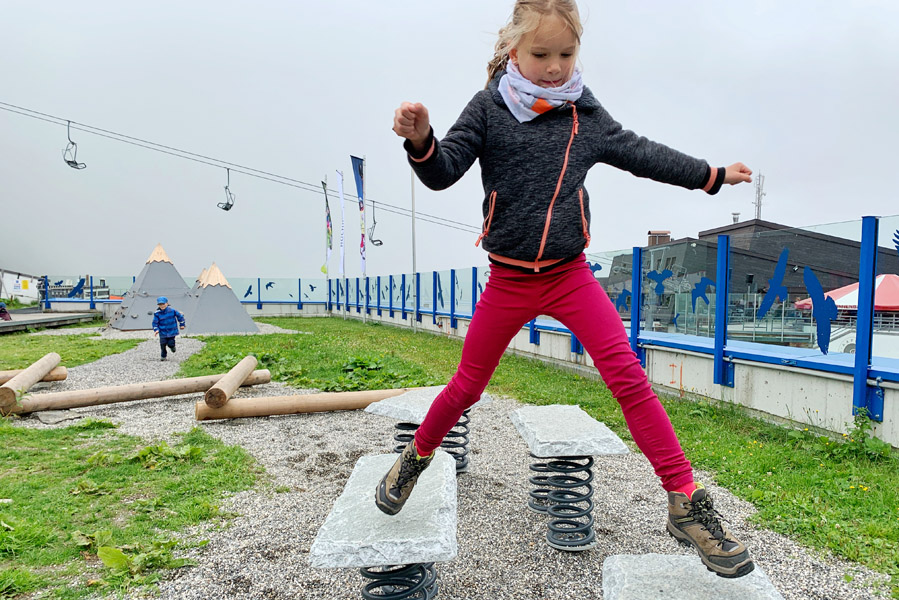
{"type": "Point", "coordinates": [886, 295]}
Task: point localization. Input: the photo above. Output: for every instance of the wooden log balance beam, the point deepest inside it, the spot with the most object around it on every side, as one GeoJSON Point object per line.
{"type": "Point", "coordinates": [219, 394]}
{"type": "Point", "coordinates": [57, 374]}
{"type": "Point", "coordinates": [291, 405]}
{"type": "Point", "coordinates": [21, 383]}
{"type": "Point", "coordinates": [127, 393]}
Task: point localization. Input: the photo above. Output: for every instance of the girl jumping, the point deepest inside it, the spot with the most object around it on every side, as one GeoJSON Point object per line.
{"type": "Point", "coordinates": [536, 131]}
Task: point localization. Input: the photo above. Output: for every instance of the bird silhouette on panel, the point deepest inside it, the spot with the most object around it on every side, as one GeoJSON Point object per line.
{"type": "Point", "coordinates": [78, 289]}
{"type": "Point", "coordinates": [311, 288]}
{"type": "Point", "coordinates": [824, 309]}
{"type": "Point", "coordinates": [249, 291]}
{"type": "Point", "coordinates": [621, 301]}
{"type": "Point", "coordinates": [57, 282]}
{"type": "Point", "coordinates": [269, 285]}
{"type": "Point", "coordinates": [659, 278]}
{"type": "Point", "coordinates": [776, 288]}
{"type": "Point", "coordinates": [699, 291]}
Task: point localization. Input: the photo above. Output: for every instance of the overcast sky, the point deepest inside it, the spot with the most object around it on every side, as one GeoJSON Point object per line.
{"type": "Point", "coordinates": [804, 92]}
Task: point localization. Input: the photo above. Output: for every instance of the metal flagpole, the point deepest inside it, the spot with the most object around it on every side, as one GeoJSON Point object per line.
{"type": "Point", "coordinates": [414, 271]}
{"type": "Point", "coordinates": [327, 246]}
{"type": "Point", "coordinates": [364, 255]}
{"type": "Point", "coordinates": [346, 288]}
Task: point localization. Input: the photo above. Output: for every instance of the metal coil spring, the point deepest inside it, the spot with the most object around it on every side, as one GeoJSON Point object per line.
{"type": "Point", "coordinates": [403, 582]}
{"type": "Point", "coordinates": [570, 511]}
{"type": "Point", "coordinates": [455, 442]}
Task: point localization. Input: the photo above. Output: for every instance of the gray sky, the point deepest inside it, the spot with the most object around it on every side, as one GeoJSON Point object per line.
{"type": "Point", "coordinates": [804, 92]}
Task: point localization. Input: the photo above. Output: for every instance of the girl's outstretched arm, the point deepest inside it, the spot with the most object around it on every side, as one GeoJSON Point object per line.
{"type": "Point", "coordinates": [411, 121]}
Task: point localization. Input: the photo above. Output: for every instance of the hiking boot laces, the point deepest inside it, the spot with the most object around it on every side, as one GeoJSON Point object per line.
{"type": "Point", "coordinates": [409, 469]}
{"type": "Point", "coordinates": [703, 512]}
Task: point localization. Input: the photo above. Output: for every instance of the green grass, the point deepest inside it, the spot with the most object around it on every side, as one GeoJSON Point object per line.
{"type": "Point", "coordinates": [12, 304]}
{"type": "Point", "coordinates": [19, 350]}
{"type": "Point", "coordinates": [86, 491]}
{"type": "Point", "coordinates": [837, 495]}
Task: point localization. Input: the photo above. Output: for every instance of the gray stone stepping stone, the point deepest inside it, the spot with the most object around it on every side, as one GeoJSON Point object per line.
{"type": "Point", "coordinates": [357, 534]}
{"type": "Point", "coordinates": [412, 406]}
{"type": "Point", "coordinates": [653, 576]}
{"type": "Point", "coordinates": [563, 430]}
{"type": "Point", "coordinates": [52, 417]}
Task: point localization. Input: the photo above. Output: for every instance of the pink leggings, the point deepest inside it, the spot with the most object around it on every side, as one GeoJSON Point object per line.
{"type": "Point", "coordinates": [571, 295]}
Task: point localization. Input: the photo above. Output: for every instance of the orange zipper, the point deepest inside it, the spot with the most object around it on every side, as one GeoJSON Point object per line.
{"type": "Point", "coordinates": [549, 212]}
{"type": "Point", "coordinates": [489, 218]}
{"type": "Point", "coordinates": [580, 195]}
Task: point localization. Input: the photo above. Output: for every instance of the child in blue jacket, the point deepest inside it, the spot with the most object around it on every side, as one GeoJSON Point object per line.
{"type": "Point", "coordinates": [166, 323]}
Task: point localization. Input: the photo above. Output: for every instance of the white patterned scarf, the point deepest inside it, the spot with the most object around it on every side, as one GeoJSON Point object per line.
{"type": "Point", "coordinates": [526, 100]}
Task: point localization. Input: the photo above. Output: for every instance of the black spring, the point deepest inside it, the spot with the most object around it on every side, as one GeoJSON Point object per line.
{"type": "Point", "coordinates": [570, 511]}
{"type": "Point", "coordinates": [403, 582]}
{"type": "Point", "coordinates": [405, 433]}
{"type": "Point", "coordinates": [455, 442]}
{"type": "Point", "coordinates": [539, 501]}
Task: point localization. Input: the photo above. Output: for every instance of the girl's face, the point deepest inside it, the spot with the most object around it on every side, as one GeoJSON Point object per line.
{"type": "Point", "coordinates": [546, 56]}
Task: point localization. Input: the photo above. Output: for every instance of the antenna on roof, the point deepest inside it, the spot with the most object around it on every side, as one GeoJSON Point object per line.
{"type": "Point", "coordinates": [759, 194]}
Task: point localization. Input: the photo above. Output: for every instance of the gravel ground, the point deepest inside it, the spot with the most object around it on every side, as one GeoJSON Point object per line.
{"type": "Point", "coordinates": [263, 552]}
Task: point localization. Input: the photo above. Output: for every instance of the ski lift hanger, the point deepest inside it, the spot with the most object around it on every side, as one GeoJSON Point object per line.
{"type": "Point", "coordinates": [371, 231]}
{"type": "Point", "coordinates": [229, 197]}
{"type": "Point", "coordinates": [70, 154]}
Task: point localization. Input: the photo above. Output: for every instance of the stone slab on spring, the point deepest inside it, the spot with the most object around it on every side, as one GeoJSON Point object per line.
{"type": "Point", "coordinates": [562, 430]}
{"type": "Point", "coordinates": [653, 576]}
{"type": "Point", "coordinates": [357, 534]}
{"type": "Point", "coordinates": [412, 406]}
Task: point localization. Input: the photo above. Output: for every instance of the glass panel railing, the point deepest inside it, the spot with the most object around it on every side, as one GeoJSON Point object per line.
{"type": "Point", "coordinates": [886, 293]}
{"type": "Point", "coordinates": [443, 291]}
{"type": "Point", "coordinates": [463, 291]}
{"type": "Point", "coordinates": [425, 290]}
{"type": "Point", "coordinates": [779, 280]}
{"type": "Point", "coordinates": [613, 270]}
{"type": "Point", "coordinates": [116, 285]}
{"type": "Point", "coordinates": [68, 287]}
{"type": "Point", "coordinates": [274, 289]}
{"type": "Point", "coordinates": [678, 285]}
{"type": "Point", "coordinates": [483, 276]}
{"type": "Point", "coordinates": [245, 288]}
{"type": "Point", "coordinates": [315, 290]}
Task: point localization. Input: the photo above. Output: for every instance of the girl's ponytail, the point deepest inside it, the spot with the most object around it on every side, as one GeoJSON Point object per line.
{"type": "Point", "coordinates": [500, 57]}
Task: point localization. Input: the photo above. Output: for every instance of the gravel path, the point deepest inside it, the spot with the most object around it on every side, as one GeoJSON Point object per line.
{"type": "Point", "coordinates": [263, 552]}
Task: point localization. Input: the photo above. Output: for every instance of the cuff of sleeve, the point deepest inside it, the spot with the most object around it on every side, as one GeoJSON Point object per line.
{"type": "Point", "coordinates": [423, 155]}
{"type": "Point", "coordinates": [716, 180]}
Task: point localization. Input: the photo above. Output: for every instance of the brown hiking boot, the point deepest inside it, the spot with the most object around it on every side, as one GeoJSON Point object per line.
{"type": "Point", "coordinates": [694, 522]}
{"type": "Point", "coordinates": [395, 487]}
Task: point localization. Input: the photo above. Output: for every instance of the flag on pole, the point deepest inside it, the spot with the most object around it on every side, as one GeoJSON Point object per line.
{"type": "Point", "coordinates": [358, 166]}
{"type": "Point", "coordinates": [342, 219]}
{"type": "Point", "coordinates": [328, 230]}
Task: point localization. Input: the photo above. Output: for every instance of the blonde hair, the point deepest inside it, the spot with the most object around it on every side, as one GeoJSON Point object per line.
{"type": "Point", "coordinates": [526, 17]}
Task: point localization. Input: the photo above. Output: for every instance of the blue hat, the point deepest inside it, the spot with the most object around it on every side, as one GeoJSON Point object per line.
{"type": "Point", "coordinates": [162, 300]}
{"type": "Point", "coordinates": [2, 304]}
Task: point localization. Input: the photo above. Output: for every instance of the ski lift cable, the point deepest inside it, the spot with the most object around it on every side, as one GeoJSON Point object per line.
{"type": "Point", "coordinates": [214, 162]}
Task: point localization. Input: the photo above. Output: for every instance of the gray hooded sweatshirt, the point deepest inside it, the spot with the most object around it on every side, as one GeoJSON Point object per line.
{"type": "Point", "coordinates": [535, 206]}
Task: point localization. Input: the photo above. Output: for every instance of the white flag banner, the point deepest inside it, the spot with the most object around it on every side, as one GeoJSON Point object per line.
{"type": "Point", "coordinates": [342, 219]}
